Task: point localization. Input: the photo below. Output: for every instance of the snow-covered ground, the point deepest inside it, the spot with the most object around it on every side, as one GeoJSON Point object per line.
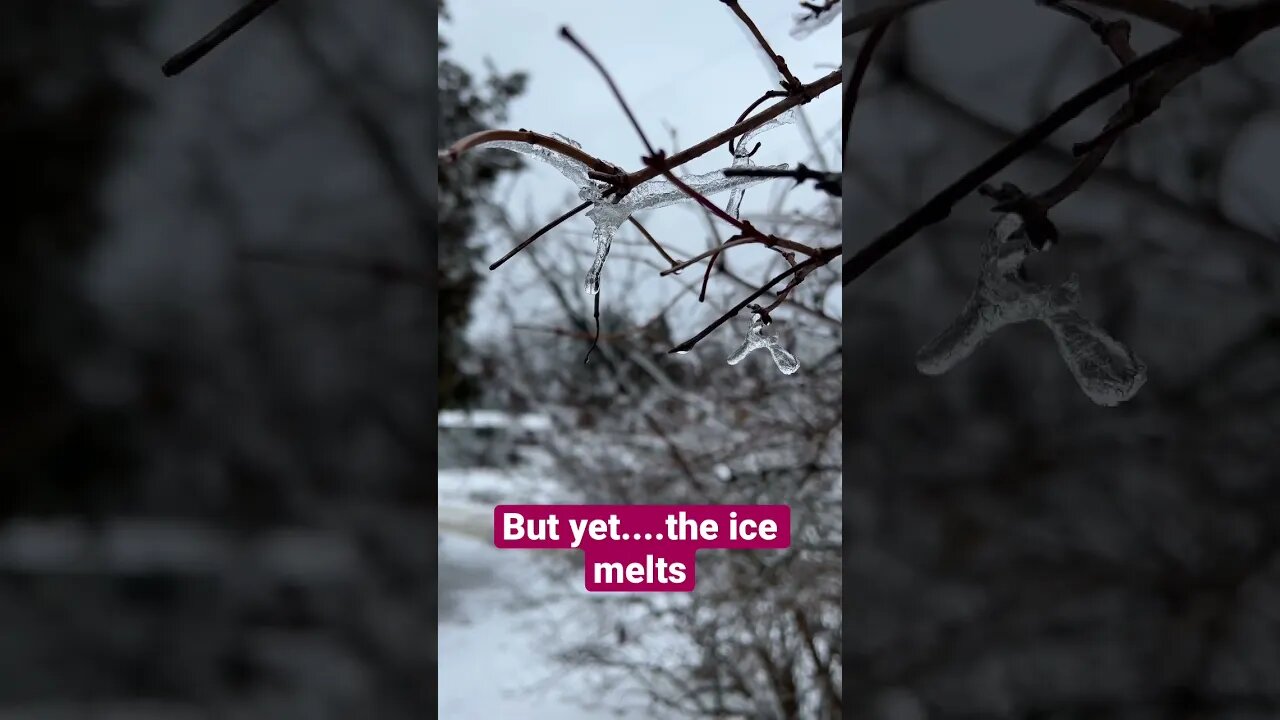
{"type": "Point", "coordinates": [495, 658]}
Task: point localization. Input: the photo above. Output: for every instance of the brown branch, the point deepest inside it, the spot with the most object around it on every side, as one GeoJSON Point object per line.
{"type": "Point", "coordinates": [789, 81]}
{"type": "Point", "coordinates": [477, 139]}
{"type": "Point", "coordinates": [738, 240]}
{"type": "Point", "coordinates": [656, 163]}
{"type": "Point", "coordinates": [808, 92]}
{"type": "Point", "coordinates": [611, 172]}
{"type": "Point", "coordinates": [656, 245]}
{"type": "Point", "coordinates": [1115, 37]}
{"type": "Point", "coordinates": [753, 106]}
{"type": "Point", "coordinates": [706, 276]}
{"type": "Point", "coordinates": [823, 257]}
{"type": "Point", "coordinates": [613, 87]}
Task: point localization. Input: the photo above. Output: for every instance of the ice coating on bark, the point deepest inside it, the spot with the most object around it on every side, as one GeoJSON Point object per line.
{"type": "Point", "coordinates": [608, 216]}
{"type": "Point", "coordinates": [742, 156]}
{"type": "Point", "coordinates": [756, 339]}
{"type": "Point", "coordinates": [1106, 370]}
{"type": "Point", "coordinates": [1001, 297]}
{"type": "Point", "coordinates": [806, 23]}
{"type": "Point", "coordinates": [573, 170]}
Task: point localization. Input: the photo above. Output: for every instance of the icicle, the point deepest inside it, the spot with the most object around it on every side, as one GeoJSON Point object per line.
{"type": "Point", "coordinates": [1106, 370]}
{"type": "Point", "coordinates": [607, 223]}
{"type": "Point", "coordinates": [756, 339]}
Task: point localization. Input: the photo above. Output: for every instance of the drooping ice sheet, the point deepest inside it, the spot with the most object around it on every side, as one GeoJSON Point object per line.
{"type": "Point", "coordinates": [607, 215]}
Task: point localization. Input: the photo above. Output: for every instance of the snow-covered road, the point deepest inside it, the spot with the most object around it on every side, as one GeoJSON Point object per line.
{"type": "Point", "coordinates": [494, 658]}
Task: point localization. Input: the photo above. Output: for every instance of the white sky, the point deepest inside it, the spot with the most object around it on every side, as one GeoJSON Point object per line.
{"type": "Point", "coordinates": [689, 65]}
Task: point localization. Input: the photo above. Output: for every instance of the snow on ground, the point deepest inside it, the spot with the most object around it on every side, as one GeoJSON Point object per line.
{"type": "Point", "coordinates": [495, 659]}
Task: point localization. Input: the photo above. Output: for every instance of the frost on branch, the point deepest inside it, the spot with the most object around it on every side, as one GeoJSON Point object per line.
{"type": "Point", "coordinates": [817, 14]}
{"type": "Point", "coordinates": [1105, 369]}
{"type": "Point", "coordinates": [756, 339]}
{"type": "Point", "coordinates": [743, 151]}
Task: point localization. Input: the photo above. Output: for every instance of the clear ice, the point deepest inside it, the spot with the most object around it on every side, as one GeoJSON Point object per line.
{"type": "Point", "coordinates": [806, 23]}
{"type": "Point", "coordinates": [1107, 371]}
{"type": "Point", "coordinates": [742, 156]}
{"type": "Point", "coordinates": [756, 339]}
{"type": "Point", "coordinates": [607, 215]}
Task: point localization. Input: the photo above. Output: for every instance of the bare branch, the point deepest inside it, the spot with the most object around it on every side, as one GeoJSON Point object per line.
{"type": "Point", "coordinates": [215, 37]}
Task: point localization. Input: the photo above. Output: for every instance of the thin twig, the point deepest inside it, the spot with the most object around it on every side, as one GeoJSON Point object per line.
{"type": "Point", "coordinates": [1115, 37]}
{"type": "Point", "coordinates": [860, 67]}
{"type": "Point", "coordinates": [827, 182]}
{"type": "Point", "coordinates": [753, 106]}
{"type": "Point", "coordinates": [656, 245]}
{"type": "Point", "coordinates": [823, 257]}
{"type": "Point", "coordinates": [215, 37]}
{"type": "Point", "coordinates": [706, 277]}
{"type": "Point", "coordinates": [595, 340]}
{"type": "Point", "coordinates": [477, 139]}
{"type": "Point", "coordinates": [542, 231]}
{"type": "Point", "coordinates": [789, 81]}
{"type": "Point", "coordinates": [809, 92]}
{"type": "Point", "coordinates": [613, 87]}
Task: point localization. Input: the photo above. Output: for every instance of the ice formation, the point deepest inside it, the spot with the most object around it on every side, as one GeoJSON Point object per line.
{"type": "Point", "coordinates": [1107, 371]}
{"type": "Point", "coordinates": [607, 215]}
{"type": "Point", "coordinates": [806, 22]}
{"type": "Point", "coordinates": [756, 339]}
{"type": "Point", "coordinates": [742, 151]}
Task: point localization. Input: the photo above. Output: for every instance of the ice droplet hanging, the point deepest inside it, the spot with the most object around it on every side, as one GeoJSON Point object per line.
{"type": "Point", "coordinates": [1107, 371]}
{"type": "Point", "coordinates": [756, 339]}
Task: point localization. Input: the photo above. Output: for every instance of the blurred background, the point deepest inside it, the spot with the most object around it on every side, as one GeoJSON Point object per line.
{"type": "Point", "coordinates": [214, 480]}
{"type": "Point", "coordinates": [1011, 549]}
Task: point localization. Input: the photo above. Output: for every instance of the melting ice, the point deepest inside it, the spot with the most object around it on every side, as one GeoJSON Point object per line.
{"type": "Point", "coordinates": [756, 339]}
{"type": "Point", "coordinates": [608, 216]}
{"type": "Point", "coordinates": [1107, 371]}
{"type": "Point", "coordinates": [742, 156]}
